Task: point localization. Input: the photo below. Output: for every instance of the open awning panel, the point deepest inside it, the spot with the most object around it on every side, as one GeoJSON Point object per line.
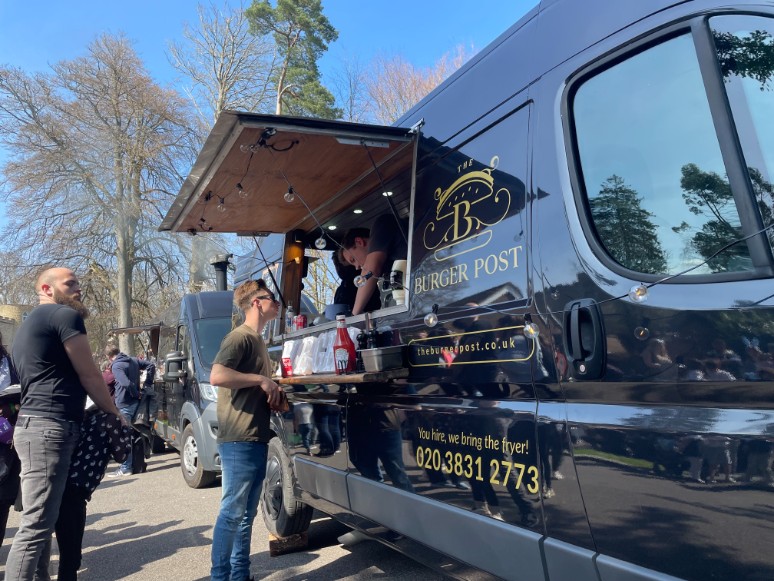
{"type": "Point", "coordinates": [249, 162]}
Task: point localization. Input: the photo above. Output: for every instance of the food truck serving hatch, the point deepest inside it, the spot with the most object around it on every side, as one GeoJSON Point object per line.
{"type": "Point", "coordinates": [241, 178]}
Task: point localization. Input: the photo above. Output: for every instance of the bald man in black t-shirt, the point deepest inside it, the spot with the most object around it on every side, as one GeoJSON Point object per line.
{"type": "Point", "coordinates": [56, 370]}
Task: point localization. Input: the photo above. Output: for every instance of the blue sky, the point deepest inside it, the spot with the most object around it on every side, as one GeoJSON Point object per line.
{"type": "Point", "coordinates": [34, 36]}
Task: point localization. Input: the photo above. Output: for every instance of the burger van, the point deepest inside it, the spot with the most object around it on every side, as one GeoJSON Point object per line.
{"type": "Point", "coordinates": [576, 381]}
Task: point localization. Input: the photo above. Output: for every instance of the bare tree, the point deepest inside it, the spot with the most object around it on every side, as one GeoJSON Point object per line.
{"type": "Point", "coordinates": [321, 282]}
{"type": "Point", "coordinates": [395, 85]}
{"type": "Point", "coordinates": [95, 152]}
{"type": "Point", "coordinates": [228, 67]}
{"type": "Point", "coordinates": [350, 89]}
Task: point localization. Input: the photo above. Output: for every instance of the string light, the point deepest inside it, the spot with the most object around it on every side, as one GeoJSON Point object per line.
{"type": "Point", "coordinates": [531, 331]}
{"type": "Point", "coordinates": [638, 293]}
{"type": "Point", "coordinates": [431, 318]}
{"type": "Point", "coordinates": [221, 204]}
{"type": "Point", "coordinates": [243, 193]}
{"type": "Point", "coordinates": [361, 279]}
{"type": "Point", "coordinates": [290, 195]}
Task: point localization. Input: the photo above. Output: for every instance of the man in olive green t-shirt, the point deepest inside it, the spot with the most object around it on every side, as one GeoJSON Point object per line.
{"type": "Point", "coordinates": [246, 393]}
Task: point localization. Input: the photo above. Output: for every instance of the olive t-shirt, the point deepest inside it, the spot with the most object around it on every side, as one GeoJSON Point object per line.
{"type": "Point", "coordinates": [50, 386]}
{"type": "Point", "coordinates": [243, 414]}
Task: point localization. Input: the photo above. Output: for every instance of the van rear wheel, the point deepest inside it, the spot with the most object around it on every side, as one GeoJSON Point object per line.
{"type": "Point", "coordinates": [194, 474]}
{"type": "Point", "coordinates": [282, 513]}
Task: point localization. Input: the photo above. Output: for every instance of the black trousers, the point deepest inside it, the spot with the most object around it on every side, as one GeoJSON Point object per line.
{"type": "Point", "coordinates": [5, 508]}
{"type": "Point", "coordinates": [69, 532]}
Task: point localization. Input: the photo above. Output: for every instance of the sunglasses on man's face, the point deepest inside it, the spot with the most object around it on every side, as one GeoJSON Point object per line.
{"type": "Point", "coordinates": [267, 298]}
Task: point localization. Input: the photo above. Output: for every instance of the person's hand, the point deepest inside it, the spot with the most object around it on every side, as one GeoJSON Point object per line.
{"type": "Point", "coordinates": [273, 392]}
{"type": "Point", "coordinates": [124, 421]}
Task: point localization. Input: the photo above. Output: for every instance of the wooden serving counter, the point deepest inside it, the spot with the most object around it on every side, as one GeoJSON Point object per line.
{"type": "Point", "coordinates": [367, 377]}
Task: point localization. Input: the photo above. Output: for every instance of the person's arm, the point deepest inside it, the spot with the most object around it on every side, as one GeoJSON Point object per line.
{"type": "Point", "coordinates": [150, 370]}
{"type": "Point", "coordinates": [223, 376]}
{"type": "Point", "coordinates": [374, 263]}
{"type": "Point", "coordinates": [79, 352]}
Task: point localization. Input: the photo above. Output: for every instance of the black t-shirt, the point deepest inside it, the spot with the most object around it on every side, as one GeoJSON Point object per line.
{"type": "Point", "coordinates": [386, 237]}
{"type": "Point", "coordinates": [50, 387]}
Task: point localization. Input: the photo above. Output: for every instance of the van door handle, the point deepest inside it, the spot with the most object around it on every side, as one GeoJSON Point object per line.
{"type": "Point", "coordinates": [584, 339]}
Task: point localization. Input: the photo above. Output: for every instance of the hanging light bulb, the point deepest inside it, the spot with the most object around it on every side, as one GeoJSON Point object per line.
{"type": "Point", "coordinates": [320, 243]}
{"type": "Point", "coordinates": [290, 195]}
{"type": "Point", "coordinates": [246, 148]}
{"type": "Point", "coordinates": [221, 204]}
{"type": "Point", "coordinates": [641, 333]}
{"type": "Point", "coordinates": [361, 279]}
{"type": "Point", "coordinates": [638, 293]}
{"type": "Point", "coordinates": [243, 193]}
{"type": "Point", "coordinates": [431, 318]}
{"type": "Point", "coordinates": [531, 330]}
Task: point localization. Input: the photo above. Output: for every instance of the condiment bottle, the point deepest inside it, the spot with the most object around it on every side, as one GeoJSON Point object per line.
{"type": "Point", "coordinates": [290, 316]}
{"type": "Point", "coordinates": [344, 354]}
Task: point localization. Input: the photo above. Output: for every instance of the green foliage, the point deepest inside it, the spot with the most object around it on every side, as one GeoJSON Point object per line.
{"type": "Point", "coordinates": [709, 195]}
{"type": "Point", "coordinates": [750, 56]}
{"type": "Point", "coordinates": [625, 228]}
{"type": "Point", "coordinates": [302, 34]}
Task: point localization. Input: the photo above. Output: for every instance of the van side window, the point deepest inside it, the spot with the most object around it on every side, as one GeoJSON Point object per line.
{"type": "Point", "coordinates": [654, 178]}
{"type": "Point", "coordinates": [745, 45]}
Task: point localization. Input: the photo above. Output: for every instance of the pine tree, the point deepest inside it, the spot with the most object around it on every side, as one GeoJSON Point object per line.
{"type": "Point", "coordinates": [625, 228]}
{"type": "Point", "coordinates": [302, 34]}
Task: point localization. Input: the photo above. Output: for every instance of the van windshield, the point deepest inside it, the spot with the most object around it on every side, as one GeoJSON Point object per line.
{"type": "Point", "coordinates": [209, 334]}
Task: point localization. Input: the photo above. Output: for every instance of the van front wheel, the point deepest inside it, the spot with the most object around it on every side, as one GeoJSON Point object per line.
{"type": "Point", "coordinates": [282, 513]}
{"type": "Point", "coordinates": [194, 474]}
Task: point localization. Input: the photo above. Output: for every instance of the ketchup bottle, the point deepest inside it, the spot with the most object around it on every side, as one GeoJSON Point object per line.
{"type": "Point", "coordinates": [343, 348]}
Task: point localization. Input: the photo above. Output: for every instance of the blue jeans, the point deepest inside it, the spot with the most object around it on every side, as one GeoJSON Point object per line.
{"type": "Point", "coordinates": [244, 467]}
{"type": "Point", "coordinates": [45, 447]}
{"type": "Point", "coordinates": [128, 410]}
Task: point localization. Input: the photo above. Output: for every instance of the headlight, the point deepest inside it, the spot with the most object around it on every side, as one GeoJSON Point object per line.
{"type": "Point", "coordinates": [209, 392]}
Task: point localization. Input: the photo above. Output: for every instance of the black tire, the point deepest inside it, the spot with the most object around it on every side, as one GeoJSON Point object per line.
{"type": "Point", "coordinates": [195, 476]}
{"type": "Point", "coordinates": [282, 513]}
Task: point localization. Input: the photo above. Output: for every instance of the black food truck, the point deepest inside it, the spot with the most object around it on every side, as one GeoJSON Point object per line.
{"type": "Point", "coordinates": [576, 380]}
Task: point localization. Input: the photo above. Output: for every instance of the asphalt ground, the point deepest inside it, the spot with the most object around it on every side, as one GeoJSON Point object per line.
{"type": "Point", "coordinates": [153, 527]}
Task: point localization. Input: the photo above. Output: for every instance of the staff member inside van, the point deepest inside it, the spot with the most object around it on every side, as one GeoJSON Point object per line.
{"type": "Point", "coordinates": [373, 251]}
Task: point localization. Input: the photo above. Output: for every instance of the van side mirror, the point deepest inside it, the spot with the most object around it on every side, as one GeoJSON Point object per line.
{"type": "Point", "coordinates": [174, 366]}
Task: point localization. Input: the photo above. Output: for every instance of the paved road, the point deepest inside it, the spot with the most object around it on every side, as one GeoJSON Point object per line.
{"type": "Point", "coordinates": [153, 527]}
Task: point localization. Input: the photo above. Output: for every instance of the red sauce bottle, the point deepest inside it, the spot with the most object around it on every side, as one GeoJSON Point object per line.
{"type": "Point", "coordinates": [344, 355]}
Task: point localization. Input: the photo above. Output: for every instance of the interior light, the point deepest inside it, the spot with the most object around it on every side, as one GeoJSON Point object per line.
{"type": "Point", "coordinates": [387, 194]}
{"type": "Point", "coordinates": [290, 195]}
{"type": "Point", "coordinates": [362, 141]}
{"type": "Point", "coordinates": [243, 193]}
{"type": "Point", "coordinates": [357, 211]}
{"type": "Point", "coordinates": [320, 243]}
{"type": "Point", "coordinates": [331, 227]}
